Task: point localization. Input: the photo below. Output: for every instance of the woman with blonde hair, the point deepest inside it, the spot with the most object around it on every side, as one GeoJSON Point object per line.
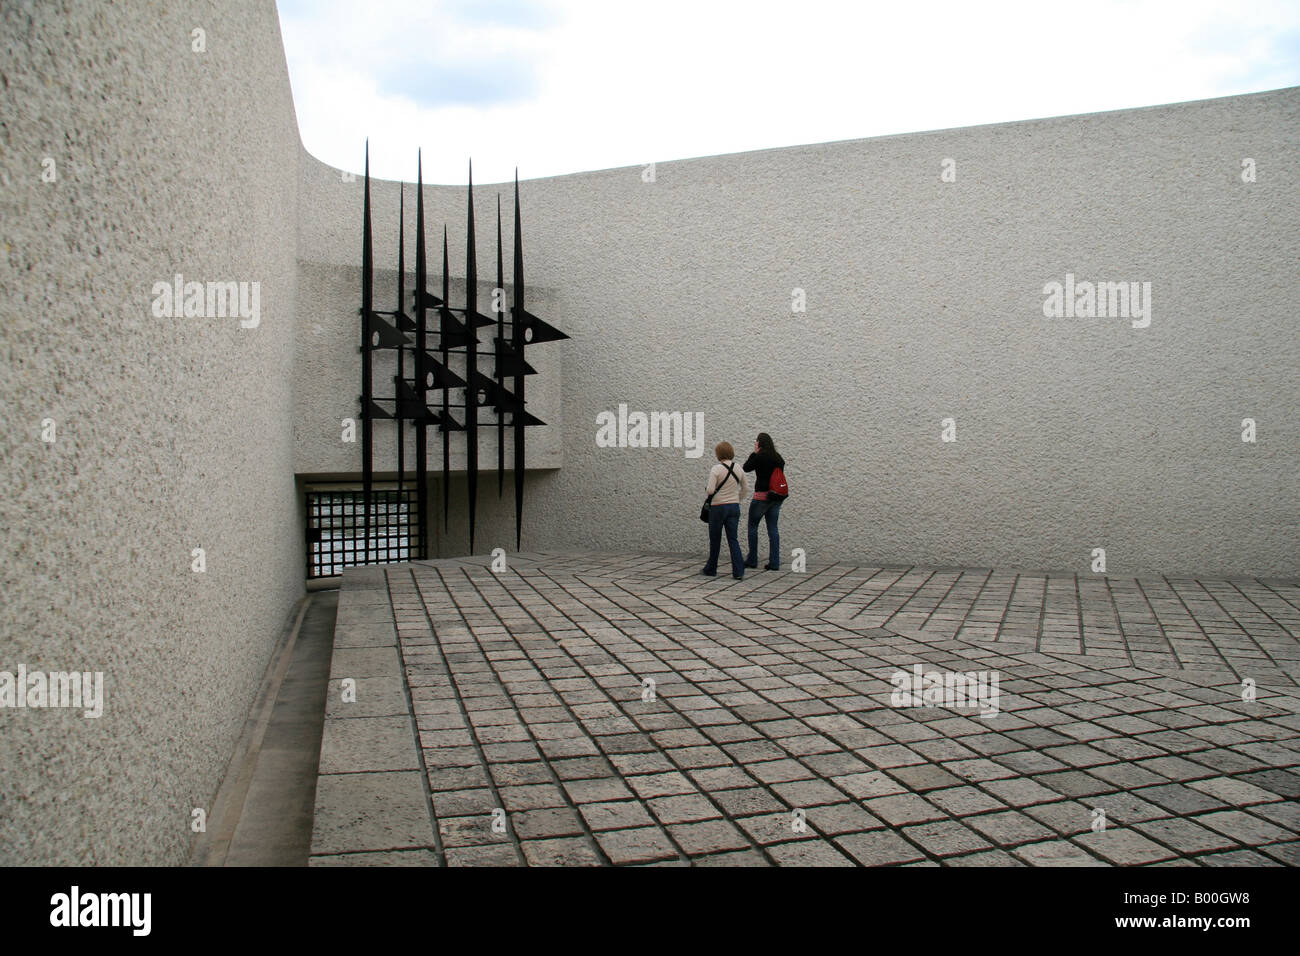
{"type": "Point", "coordinates": [725, 488]}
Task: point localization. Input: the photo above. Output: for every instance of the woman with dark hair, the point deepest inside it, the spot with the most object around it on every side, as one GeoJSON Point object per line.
{"type": "Point", "coordinates": [725, 489]}
{"type": "Point", "coordinates": [763, 462]}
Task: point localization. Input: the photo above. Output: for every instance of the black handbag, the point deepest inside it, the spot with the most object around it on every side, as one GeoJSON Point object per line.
{"type": "Point", "coordinates": [704, 508]}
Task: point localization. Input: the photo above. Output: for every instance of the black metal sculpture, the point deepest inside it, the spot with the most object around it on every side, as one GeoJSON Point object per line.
{"type": "Point", "coordinates": [457, 333]}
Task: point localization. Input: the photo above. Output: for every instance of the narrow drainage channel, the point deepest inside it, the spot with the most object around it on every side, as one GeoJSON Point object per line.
{"type": "Point", "coordinates": [274, 823]}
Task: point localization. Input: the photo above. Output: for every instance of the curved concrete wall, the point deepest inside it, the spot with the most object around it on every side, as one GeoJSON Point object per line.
{"type": "Point", "coordinates": [924, 302]}
{"type": "Point", "coordinates": [171, 433]}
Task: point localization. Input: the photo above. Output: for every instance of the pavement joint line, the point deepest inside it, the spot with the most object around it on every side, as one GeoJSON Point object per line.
{"type": "Point", "coordinates": [469, 725]}
{"type": "Point", "coordinates": [1238, 622]}
{"type": "Point", "coordinates": [1227, 665]}
{"type": "Point", "coordinates": [438, 848]}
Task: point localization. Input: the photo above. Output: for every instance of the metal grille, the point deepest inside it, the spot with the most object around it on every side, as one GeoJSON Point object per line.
{"type": "Point", "coordinates": [337, 529]}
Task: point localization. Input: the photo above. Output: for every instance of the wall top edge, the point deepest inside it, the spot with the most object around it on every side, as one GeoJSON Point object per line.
{"type": "Point", "coordinates": [1217, 101]}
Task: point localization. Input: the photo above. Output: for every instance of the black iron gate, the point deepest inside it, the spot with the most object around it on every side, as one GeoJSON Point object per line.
{"type": "Point", "coordinates": [343, 533]}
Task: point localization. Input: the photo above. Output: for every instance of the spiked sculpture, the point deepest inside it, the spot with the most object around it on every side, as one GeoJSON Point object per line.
{"type": "Point", "coordinates": [457, 335]}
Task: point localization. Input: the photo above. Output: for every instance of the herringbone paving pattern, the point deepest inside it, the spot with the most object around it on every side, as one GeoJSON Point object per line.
{"type": "Point", "coordinates": [581, 709]}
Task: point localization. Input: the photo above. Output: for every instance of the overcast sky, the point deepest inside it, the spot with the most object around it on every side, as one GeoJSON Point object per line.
{"type": "Point", "coordinates": [563, 86]}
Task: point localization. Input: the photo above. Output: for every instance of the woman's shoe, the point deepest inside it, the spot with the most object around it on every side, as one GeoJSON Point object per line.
{"type": "Point", "coordinates": [768, 567]}
{"type": "Point", "coordinates": [709, 574]}
{"type": "Point", "coordinates": [752, 564]}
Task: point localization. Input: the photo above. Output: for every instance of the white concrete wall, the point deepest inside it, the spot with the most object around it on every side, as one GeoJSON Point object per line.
{"type": "Point", "coordinates": [172, 434]}
{"type": "Point", "coordinates": [924, 302]}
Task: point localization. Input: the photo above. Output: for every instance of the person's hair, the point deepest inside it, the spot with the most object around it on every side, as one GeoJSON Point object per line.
{"type": "Point", "coordinates": [724, 450]}
{"type": "Point", "coordinates": [765, 443]}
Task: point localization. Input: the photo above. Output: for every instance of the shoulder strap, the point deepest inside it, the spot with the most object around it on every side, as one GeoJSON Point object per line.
{"type": "Point", "coordinates": [731, 473]}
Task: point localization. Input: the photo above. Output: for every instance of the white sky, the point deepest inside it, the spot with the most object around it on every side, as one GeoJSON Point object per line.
{"type": "Point", "coordinates": [571, 85]}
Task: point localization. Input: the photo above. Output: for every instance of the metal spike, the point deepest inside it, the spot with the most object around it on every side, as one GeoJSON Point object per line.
{"type": "Point", "coordinates": [421, 333]}
{"type": "Point", "coordinates": [446, 433]}
{"type": "Point", "coordinates": [500, 374]}
{"type": "Point", "coordinates": [471, 362]}
{"type": "Point", "coordinates": [517, 330]}
{"type": "Point", "coordinates": [367, 412]}
{"type": "Point", "coordinates": [401, 353]}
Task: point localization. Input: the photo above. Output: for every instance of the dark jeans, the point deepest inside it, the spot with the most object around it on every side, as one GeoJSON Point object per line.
{"type": "Point", "coordinates": [728, 517]}
{"type": "Point", "coordinates": [769, 512]}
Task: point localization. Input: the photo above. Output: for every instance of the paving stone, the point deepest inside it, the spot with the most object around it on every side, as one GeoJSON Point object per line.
{"type": "Point", "coordinates": [642, 845]}
{"type": "Point", "coordinates": [1237, 858]}
{"type": "Point", "coordinates": [1185, 835]}
{"type": "Point", "coordinates": [1020, 791]}
{"type": "Point", "coordinates": [879, 848]}
{"type": "Point", "coordinates": [808, 853]}
{"type": "Point", "coordinates": [598, 790]}
{"type": "Point", "coordinates": [1029, 761]}
{"type": "Point", "coordinates": [1288, 854]}
{"type": "Point", "coordinates": [711, 836]}
{"type": "Point", "coordinates": [1284, 783]}
{"type": "Point", "coordinates": [660, 784]}
{"type": "Point", "coordinates": [531, 797]}
{"type": "Point", "coordinates": [841, 818]}
{"type": "Point", "coordinates": [1009, 828]}
{"type": "Point", "coordinates": [1123, 847]}
{"type": "Point", "coordinates": [776, 828]}
{"type": "Point", "coordinates": [979, 769]}
{"type": "Point", "coordinates": [566, 851]}
{"type": "Point", "coordinates": [961, 801]}
{"type": "Point", "coordinates": [925, 777]}
{"type": "Point", "coordinates": [1067, 817]}
{"type": "Point", "coordinates": [367, 744]}
{"type": "Point", "coordinates": [621, 814]}
{"type": "Point", "coordinates": [687, 808]}
{"type": "Point", "coordinates": [1126, 808]}
{"type": "Point", "coordinates": [1243, 827]}
{"type": "Point", "coordinates": [548, 822]}
{"type": "Point", "coordinates": [1056, 853]}
{"type": "Point", "coordinates": [904, 808]}
{"type": "Point", "coordinates": [457, 803]}
{"type": "Point", "coordinates": [807, 793]}
{"type": "Point", "coordinates": [1075, 783]}
{"type": "Point", "coordinates": [721, 778]}
{"type": "Point", "coordinates": [458, 778]}
{"type": "Point", "coordinates": [746, 802]}
{"type": "Point", "coordinates": [864, 785]}
{"type": "Point", "coordinates": [370, 811]}
{"type": "Point", "coordinates": [582, 768]}
{"type": "Point", "coordinates": [946, 838]}
{"type": "Point", "coordinates": [1179, 799]}
{"type": "Point", "coordinates": [779, 771]}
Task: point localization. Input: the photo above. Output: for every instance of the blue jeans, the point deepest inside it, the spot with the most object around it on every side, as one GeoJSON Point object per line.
{"type": "Point", "coordinates": [769, 512]}
{"type": "Point", "coordinates": [728, 517]}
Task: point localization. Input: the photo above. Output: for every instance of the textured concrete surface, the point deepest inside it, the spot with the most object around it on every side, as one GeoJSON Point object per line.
{"type": "Point", "coordinates": [773, 735]}
{"type": "Point", "coordinates": [924, 302]}
{"type": "Point", "coordinates": [172, 433]}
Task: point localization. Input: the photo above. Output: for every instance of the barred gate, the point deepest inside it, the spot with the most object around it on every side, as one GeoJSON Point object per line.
{"type": "Point", "coordinates": [343, 533]}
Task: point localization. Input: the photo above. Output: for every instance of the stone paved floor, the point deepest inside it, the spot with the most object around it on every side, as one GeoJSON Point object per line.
{"type": "Point", "coordinates": [507, 719]}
